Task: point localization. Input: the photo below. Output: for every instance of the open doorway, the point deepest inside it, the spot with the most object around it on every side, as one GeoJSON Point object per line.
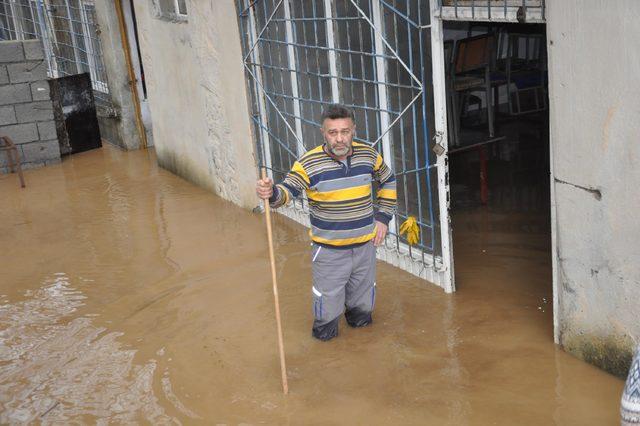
{"type": "Point", "coordinates": [498, 125]}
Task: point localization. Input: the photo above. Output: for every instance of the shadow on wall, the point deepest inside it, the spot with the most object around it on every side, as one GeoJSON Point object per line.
{"type": "Point", "coordinates": [184, 166]}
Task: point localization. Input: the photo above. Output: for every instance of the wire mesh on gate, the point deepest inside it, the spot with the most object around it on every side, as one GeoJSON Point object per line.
{"type": "Point", "coordinates": [370, 55]}
{"type": "Point", "coordinates": [69, 35]}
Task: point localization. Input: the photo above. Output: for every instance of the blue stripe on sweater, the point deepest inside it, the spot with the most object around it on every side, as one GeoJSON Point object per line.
{"type": "Point", "coordinates": [337, 226]}
{"type": "Point", "coordinates": [294, 192]}
{"type": "Point", "coordinates": [339, 173]}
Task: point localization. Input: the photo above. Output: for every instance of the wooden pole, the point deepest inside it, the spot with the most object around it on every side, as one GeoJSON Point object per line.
{"type": "Point", "coordinates": [283, 367]}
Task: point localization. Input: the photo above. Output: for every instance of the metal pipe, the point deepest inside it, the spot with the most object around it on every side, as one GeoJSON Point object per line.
{"type": "Point", "coordinates": [132, 76]}
{"type": "Point", "coordinates": [13, 157]}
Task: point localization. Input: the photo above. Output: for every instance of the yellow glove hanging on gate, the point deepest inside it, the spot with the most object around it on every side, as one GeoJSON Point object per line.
{"type": "Point", "coordinates": [411, 229]}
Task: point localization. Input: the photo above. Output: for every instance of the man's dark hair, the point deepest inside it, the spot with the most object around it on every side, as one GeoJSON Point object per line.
{"type": "Point", "coordinates": [335, 111]}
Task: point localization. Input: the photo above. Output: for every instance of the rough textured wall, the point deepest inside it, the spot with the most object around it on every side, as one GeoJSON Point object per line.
{"type": "Point", "coordinates": [197, 97]}
{"type": "Point", "coordinates": [26, 110]}
{"type": "Point", "coordinates": [594, 62]}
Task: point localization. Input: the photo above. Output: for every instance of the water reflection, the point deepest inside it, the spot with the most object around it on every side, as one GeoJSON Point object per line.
{"type": "Point", "coordinates": [56, 366]}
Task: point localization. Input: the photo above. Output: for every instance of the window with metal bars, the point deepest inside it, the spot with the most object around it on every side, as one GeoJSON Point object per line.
{"type": "Point", "coordinates": [171, 10]}
{"type": "Point", "coordinates": [493, 10]}
{"type": "Point", "coordinates": [69, 34]}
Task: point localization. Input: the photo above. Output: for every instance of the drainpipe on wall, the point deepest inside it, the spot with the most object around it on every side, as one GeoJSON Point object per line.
{"type": "Point", "coordinates": [121, 125]}
{"type": "Point", "coordinates": [132, 77]}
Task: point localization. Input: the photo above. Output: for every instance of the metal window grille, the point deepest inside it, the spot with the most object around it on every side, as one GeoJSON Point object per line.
{"type": "Point", "coordinates": [69, 34]}
{"type": "Point", "coordinates": [373, 56]}
{"type": "Point", "coordinates": [181, 7]}
{"type": "Point", "coordinates": [171, 10]}
{"type": "Point", "coordinates": [493, 10]}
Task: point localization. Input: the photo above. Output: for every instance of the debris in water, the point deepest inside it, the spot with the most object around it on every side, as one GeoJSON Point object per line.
{"type": "Point", "coordinates": [50, 408]}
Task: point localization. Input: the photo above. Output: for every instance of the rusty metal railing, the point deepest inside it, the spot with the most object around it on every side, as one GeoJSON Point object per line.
{"type": "Point", "coordinates": [13, 157]}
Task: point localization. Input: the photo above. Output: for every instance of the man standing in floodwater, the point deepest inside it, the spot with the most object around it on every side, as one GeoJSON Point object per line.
{"type": "Point", "coordinates": [345, 225]}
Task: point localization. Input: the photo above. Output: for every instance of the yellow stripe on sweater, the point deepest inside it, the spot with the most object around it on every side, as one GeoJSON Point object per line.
{"type": "Point", "coordinates": [297, 167]}
{"type": "Point", "coordinates": [378, 163]}
{"type": "Point", "coordinates": [340, 194]}
{"type": "Point", "coordinates": [345, 241]}
{"type": "Point", "coordinates": [387, 193]}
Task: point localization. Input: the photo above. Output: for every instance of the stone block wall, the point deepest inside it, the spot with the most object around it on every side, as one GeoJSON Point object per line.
{"type": "Point", "coordinates": [26, 110]}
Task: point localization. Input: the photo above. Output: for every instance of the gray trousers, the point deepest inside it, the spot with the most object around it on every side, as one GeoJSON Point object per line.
{"type": "Point", "coordinates": [342, 278]}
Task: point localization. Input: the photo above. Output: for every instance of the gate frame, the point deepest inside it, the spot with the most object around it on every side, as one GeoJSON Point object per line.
{"type": "Point", "coordinates": [442, 137]}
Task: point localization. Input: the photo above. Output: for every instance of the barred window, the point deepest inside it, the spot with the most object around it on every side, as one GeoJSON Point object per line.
{"type": "Point", "coordinates": [171, 10]}
{"type": "Point", "coordinates": [181, 7]}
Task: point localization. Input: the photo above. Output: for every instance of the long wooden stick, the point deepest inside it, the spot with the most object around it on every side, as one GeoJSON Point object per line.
{"type": "Point", "coordinates": [283, 367]}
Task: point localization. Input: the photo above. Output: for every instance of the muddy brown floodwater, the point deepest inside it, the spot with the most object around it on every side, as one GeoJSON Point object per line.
{"type": "Point", "coordinates": [130, 295]}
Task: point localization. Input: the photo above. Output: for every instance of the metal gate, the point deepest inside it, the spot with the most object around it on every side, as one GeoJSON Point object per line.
{"type": "Point", "coordinates": [376, 57]}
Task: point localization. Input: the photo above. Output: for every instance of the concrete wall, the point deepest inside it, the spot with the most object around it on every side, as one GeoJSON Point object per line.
{"type": "Point", "coordinates": [594, 63]}
{"type": "Point", "coordinates": [118, 125]}
{"type": "Point", "coordinates": [26, 110]}
{"type": "Point", "coordinates": [197, 96]}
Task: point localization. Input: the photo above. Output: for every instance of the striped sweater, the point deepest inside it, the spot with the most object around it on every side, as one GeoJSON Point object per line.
{"type": "Point", "coordinates": [340, 194]}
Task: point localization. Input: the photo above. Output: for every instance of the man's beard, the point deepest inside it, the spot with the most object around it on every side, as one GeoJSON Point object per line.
{"type": "Point", "coordinates": [339, 152]}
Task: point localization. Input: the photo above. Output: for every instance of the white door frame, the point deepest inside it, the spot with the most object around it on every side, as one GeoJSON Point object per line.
{"type": "Point", "coordinates": [441, 134]}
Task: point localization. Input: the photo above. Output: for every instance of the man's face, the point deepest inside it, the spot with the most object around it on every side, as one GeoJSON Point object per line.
{"type": "Point", "coordinates": [338, 135]}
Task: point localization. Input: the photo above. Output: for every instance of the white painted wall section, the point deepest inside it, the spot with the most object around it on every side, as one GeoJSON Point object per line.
{"type": "Point", "coordinates": [594, 61]}
{"type": "Point", "coordinates": [197, 96]}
